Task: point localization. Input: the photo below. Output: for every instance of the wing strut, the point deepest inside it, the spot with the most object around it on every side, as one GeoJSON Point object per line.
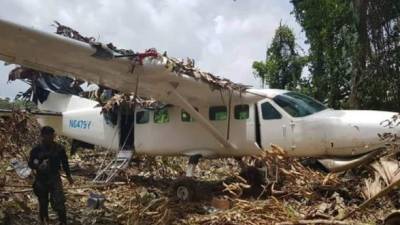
{"type": "Point", "coordinates": [203, 121]}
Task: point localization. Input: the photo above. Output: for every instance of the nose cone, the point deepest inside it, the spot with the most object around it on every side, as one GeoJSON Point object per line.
{"type": "Point", "coordinates": [356, 132]}
{"type": "Point", "coordinates": [371, 122]}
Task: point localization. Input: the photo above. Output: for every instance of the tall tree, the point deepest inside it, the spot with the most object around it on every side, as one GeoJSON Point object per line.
{"type": "Point", "coordinates": [362, 50]}
{"type": "Point", "coordinates": [378, 85]}
{"type": "Point", "coordinates": [283, 65]}
{"type": "Point", "coordinates": [330, 39]}
{"type": "Point", "coordinates": [354, 51]}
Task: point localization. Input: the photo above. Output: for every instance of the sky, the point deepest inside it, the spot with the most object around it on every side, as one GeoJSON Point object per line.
{"type": "Point", "coordinates": [224, 37]}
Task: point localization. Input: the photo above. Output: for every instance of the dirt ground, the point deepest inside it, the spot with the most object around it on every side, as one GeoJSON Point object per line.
{"type": "Point", "coordinates": [145, 192]}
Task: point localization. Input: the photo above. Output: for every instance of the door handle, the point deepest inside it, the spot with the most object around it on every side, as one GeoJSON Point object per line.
{"type": "Point", "coordinates": [284, 130]}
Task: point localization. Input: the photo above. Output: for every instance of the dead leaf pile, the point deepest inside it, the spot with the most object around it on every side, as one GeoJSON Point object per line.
{"type": "Point", "coordinates": [143, 194]}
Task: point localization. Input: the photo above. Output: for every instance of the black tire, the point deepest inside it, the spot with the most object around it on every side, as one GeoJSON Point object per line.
{"type": "Point", "coordinates": [393, 218]}
{"type": "Point", "coordinates": [184, 189]}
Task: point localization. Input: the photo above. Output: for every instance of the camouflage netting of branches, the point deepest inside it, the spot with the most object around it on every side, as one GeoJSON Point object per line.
{"type": "Point", "coordinates": [178, 66]}
{"type": "Point", "coordinates": [112, 103]}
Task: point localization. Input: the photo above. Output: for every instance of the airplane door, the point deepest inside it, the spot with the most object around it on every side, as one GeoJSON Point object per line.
{"type": "Point", "coordinates": [275, 127]}
{"type": "Point", "coordinates": [127, 130]}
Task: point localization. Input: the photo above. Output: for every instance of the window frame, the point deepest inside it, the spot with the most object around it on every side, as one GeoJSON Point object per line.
{"type": "Point", "coordinates": [273, 107]}
{"type": "Point", "coordinates": [236, 107]}
{"type": "Point", "coordinates": [142, 111]}
{"type": "Point", "coordinates": [298, 105]}
{"type": "Point", "coordinates": [188, 114]}
{"type": "Point", "coordinates": [212, 114]}
{"type": "Point", "coordinates": [158, 111]}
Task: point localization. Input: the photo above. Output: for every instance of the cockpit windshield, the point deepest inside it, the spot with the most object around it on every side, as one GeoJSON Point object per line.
{"type": "Point", "coordinates": [298, 105]}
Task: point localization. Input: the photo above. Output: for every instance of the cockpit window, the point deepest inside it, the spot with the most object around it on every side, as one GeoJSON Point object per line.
{"type": "Point", "coordinates": [298, 105]}
{"type": "Point", "coordinates": [269, 112]}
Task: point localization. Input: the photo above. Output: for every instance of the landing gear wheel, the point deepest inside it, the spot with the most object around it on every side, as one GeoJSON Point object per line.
{"type": "Point", "coordinates": [255, 178]}
{"type": "Point", "coordinates": [393, 218]}
{"type": "Point", "coordinates": [183, 193]}
{"type": "Point", "coordinates": [184, 190]}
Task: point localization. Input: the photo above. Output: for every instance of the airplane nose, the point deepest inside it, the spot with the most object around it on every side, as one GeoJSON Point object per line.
{"type": "Point", "coordinates": [372, 126]}
{"type": "Point", "coordinates": [359, 131]}
{"type": "Point", "coordinates": [392, 127]}
{"type": "Point", "coordinates": [392, 122]}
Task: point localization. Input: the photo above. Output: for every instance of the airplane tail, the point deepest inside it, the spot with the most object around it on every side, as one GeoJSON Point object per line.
{"type": "Point", "coordinates": [50, 111]}
{"type": "Point", "coordinates": [61, 107]}
{"type": "Point", "coordinates": [60, 103]}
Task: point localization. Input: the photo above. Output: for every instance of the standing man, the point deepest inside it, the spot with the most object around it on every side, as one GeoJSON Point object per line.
{"type": "Point", "coordinates": [46, 159]}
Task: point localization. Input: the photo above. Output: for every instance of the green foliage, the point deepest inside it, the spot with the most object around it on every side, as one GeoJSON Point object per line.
{"type": "Point", "coordinates": [331, 46]}
{"type": "Point", "coordinates": [283, 65]}
{"type": "Point", "coordinates": [221, 115]}
{"type": "Point", "coordinates": [243, 115]}
{"type": "Point", "coordinates": [16, 104]}
{"type": "Point", "coordinates": [354, 51]}
{"type": "Point", "coordinates": [161, 116]}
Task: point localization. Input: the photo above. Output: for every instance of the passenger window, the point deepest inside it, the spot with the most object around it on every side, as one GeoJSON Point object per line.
{"type": "Point", "coordinates": [161, 116]}
{"type": "Point", "coordinates": [142, 117]}
{"type": "Point", "coordinates": [185, 116]}
{"type": "Point", "coordinates": [241, 112]}
{"type": "Point", "coordinates": [269, 112]}
{"type": "Point", "coordinates": [217, 113]}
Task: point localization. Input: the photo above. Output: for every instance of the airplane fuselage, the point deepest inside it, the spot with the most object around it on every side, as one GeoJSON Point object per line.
{"type": "Point", "coordinates": [250, 127]}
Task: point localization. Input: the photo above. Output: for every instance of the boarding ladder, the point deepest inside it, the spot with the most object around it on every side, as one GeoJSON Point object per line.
{"type": "Point", "coordinates": [124, 156]}
{"type": "Point", "coordinates": [120, 162]}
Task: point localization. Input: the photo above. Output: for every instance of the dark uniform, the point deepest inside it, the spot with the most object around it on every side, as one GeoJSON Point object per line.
{"type": "Point", "coordinates": [47, 161]}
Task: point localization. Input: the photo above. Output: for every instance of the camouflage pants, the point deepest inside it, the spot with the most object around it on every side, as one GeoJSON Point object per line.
{"type": "Point", "coordinates": [53, 189]}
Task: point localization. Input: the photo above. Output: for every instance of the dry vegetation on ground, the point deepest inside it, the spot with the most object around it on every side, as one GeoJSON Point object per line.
{"type": "Point", "coordinates": [142, 194]}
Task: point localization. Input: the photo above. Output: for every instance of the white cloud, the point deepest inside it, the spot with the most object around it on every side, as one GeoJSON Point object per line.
{"type": "Point", "coordinates": [224, 37]}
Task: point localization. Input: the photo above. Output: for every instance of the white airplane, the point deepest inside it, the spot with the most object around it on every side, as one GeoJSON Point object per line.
{"type": "Point", "coordinates": [208, 117]}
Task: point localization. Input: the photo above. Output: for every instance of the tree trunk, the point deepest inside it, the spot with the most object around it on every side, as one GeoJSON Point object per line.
{"type": "Point", "coordinates": [362, 51]}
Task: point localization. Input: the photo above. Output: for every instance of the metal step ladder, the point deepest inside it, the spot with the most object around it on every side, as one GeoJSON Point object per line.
{"type": "Point", "coordinates": [120, 162]}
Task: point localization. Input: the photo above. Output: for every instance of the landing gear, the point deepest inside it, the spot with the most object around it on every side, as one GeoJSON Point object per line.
{"type": "Point", "coordinates": [260, 175]}
{"type": "Point", "coordinates": [183, 193]}
{"type": "Point", "coordinates": [255, 174]}
{"type": "Point", "coordinates": [185, 188]}
{"type": "Point", "coordinates": [393, 218]}
{"type": "Point", "coordinates": [314, 164]}
{"type": "Point", "coordinates": [193, 161]}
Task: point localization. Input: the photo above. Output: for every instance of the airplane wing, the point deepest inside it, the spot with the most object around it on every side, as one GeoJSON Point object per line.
{"type": "Point", "coordinates": [154, 76]}
{"type": "Point", "coordinates": [150, 74]}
